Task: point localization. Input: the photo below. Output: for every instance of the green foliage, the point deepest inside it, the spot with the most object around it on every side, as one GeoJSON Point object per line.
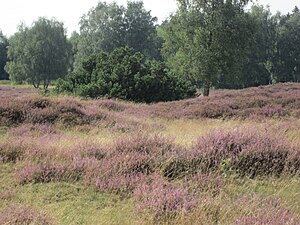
{"type": "Point", "coordinates": [286, 61]}
{"type": "Point", "coordinates": [256, 69]}
{"type": "Point", "coordinates": [3, 56]}
{"type": "Point", "coordinates": [38, 54]}
{"type": "Point", "coordinates": [110, 26]}
{"type": "Point", "coordinates": [127, 75]}
{"type": "Point", "coordinates": [207, 39]}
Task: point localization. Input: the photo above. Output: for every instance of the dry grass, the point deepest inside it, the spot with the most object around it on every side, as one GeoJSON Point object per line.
{"type": "Point", "coordinates": [133, 126]}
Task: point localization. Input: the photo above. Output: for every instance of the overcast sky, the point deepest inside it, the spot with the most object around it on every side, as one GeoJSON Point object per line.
{"type": "Point", "coordinates": [12, 12]}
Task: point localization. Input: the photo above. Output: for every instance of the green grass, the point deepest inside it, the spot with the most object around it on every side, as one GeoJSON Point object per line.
{"type": "Point", "coordinates": [74, 203]}
{"type": "Point", "coordinates": [285, 189]}
{"type": "Point", "coordinates": [5, 82]}
{"type": "Point", "coordinates": [66, 203]}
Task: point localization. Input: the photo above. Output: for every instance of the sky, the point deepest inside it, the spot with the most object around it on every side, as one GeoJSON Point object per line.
{"type": "Point", "coordinates": [13, 12]}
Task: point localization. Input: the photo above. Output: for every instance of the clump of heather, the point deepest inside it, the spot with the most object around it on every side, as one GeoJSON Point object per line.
{"type": "Point", "coordinates": [34, 130]}
{"type": "Point", "coordinates": [272, 101]}
{"type": "Point", "coordinates": [21, 215]}
{"type": "Point", "coordinates": [48, 172]}
{"type": "Point", "coordinates": [86, 149]}
{"type": "Point", "coordinates": [151, 145]}
{"type": "Point", "coordinates": [15, 149]}
{"type": "Point", "coordinates": [128, 160]}
{"type": "Point", "coordinates": [202, 183]}
{"type": "Point", "coordinates": [11, 151]}
{"type": "Point", "coordinates": [11, 112]}
{"type": "Point", "coordinates": [161, 199]}
{"type": "Point", "coordinates": [138, 154]}
{"type": "Point", "coordinates": [123, 185]}
{"type": "Point", "coordinates": [118, 170]}
{"type": "Point", "coordinates": [248, 152]}
{"type": "Point", "coordinates": [293, 162]}
{"type": "Point", "coordinates": [274, 216]}
{"type": "Point", "coordinates": [111, 105]}
{"type": "Point", "coordinates": [7, 194]}
{"type": "Point", "coordinates": [251, 152]}
{"type": "Point", "coordinates": [37, 110]}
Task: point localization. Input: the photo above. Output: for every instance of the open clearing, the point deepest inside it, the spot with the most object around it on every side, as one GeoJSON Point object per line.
{"type": "Point", "coordinates": [232, 158]}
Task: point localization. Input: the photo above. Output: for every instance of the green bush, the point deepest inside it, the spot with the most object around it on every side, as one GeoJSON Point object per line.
{"type": "Point", "coordinates": [125, 74]}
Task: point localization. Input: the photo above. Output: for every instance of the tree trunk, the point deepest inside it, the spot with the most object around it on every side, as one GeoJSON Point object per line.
{"type": "Point", "coordinates": [46, 84]}
{"type": "Point", "coordinates": [35, 85]}
{"type": "Point", "coordinates": [206, 88]}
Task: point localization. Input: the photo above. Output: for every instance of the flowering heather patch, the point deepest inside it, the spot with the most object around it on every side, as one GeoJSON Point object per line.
{"type": "Point", "coordinates": [272, 101]}
{"type": "Point", "coordinates": [11, 112]}
{"type": "Point", "coordinates": [111, 104]}
{"type": "Point", "coordinates": [11, 151]}
{"type": "Point", "coordinates": [162, 199]}
{"type": "Point", "coordinates": [144, 154]}
{"type": "Point", "coordinates": [201, 182]}
{"type": "Point", "coordinates": [39, 110]}
{"type": "Point", "coordinates": [151, 145]}
{"type": "Point", "coordinates": [21, 215]}
{"type": "Point", "coordinates": [274, 216]}
{"type": "Point", "coordinates": [48, 172]}
{"type": "Point", "coordinates": [33, 130]}
{"type": "Point", "coordinates": [249, 152]}
{"type": "Point", "coordinates": [29, 148]}
{"type": "Point", "coordinates": [293, 162]}
{"type": "Point", "coordinates": [120, 184]}
{"type": "Point", "coordinates": [116, 171]}
{"type": "Point", "coordinates": [86, 149]}
{"type": "Point", "coordinates": [128, 161]}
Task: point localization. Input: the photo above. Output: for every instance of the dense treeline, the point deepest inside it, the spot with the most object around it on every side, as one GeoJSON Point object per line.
{"type": "Point", "coordinates": [121, 52]}
{"type": "Point", "coordinates": [3, 56]}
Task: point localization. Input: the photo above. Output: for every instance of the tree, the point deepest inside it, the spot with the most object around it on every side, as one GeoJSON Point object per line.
{"type": "Point", "coordinates": [3, 56]}
{"type": "Point", "coordinates": [38, 54]}
{"type": "Point", "coordinates": [74, 41]}
{"type": "Point", "coordinates": [286, 62]}
{"type": "Point", "coordinates": [141, 34]}
{"type": "Point", "coordinates": [210, 39]}
{"type": "Point", "coordinates": [110, 26]}
{"type": "Point", "coordinates": [257, 69]}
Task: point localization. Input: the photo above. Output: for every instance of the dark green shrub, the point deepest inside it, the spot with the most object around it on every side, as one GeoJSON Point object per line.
{"type": "Point", "coordinates": [124, 74]}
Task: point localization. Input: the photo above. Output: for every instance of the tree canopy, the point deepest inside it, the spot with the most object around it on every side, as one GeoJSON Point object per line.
{"type": "Point", "coordinates": [207, 40]}
{"type": "Point", "coordinates": [110, 26]}
{"type": "Point", "coordinates": [38, 54]}
{"type": "Point", "coordinates": [286, 61]}
{"type": "Point", "coordinates": [3, 56]}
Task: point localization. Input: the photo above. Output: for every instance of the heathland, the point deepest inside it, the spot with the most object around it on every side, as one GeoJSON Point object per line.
{"type": "Point", "coordinates": [231, 158]}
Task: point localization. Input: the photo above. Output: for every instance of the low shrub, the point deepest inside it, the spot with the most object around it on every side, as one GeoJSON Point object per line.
{"type": "Point", "coordinates": [151, 145]}
{"type": "Point", "coordinates": [125, 74]}
{"type": "Point", "coordinates": [251, 153]}
{"type": "Point", "coordinates": [123, 185]}
{"type": "Point", "coordinates": [111, 105]}
{"type": "Point", "coordinates": [11, 151]}
{"type": "Point", "coordinates": [11, 112]}
{"type": "Point", "coordinates": [293, 162]}
{"type": "Point", "coordinates": [161, 199]}
{"type": "Point", "coordinates": [275, 216]}
{"type": "Point", "coordinates": [48, 172]}
{"type": "Point", "coordinates": [33, 130]}
{"type": "Point", "coordinates": [86, 149]}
